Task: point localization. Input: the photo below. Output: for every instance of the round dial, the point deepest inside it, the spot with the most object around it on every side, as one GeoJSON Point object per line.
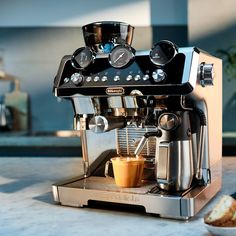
{"type": "Point", "coordinates": [121, 56]}
{"type": "Point", "coordinates": [82, 58]}
{"type": "Point", "coordinates": [163, 52]}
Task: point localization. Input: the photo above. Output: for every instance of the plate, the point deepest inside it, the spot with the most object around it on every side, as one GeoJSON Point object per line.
{"type": "Point", "coordinates": [221, 231]}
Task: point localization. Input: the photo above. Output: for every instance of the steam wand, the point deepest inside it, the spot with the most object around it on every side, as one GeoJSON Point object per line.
{"type": "Point", "coordinates": [84, 145]}
{"type": "Point", "coordinates": [144, 139]}
{"type": "Point", "coordinates": [202, 135]}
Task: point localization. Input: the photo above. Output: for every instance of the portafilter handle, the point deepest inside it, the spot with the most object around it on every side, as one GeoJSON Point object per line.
{"type": "Point", "coordinates": [101, 124]}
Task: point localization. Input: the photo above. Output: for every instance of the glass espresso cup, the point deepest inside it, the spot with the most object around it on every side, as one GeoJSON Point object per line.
{"type": "Point", "coordinates": [127, 171]}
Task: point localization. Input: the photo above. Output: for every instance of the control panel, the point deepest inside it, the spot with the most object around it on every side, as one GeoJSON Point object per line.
{"type": "Point", "coordinates": [123, 70]}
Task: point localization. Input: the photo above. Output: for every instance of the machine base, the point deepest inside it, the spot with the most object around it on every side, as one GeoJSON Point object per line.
{"type": "Point", "coordinates": [79, 192]}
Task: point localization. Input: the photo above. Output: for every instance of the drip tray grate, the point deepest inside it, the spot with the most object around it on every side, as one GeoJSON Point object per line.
{"type": "Point", "coordinates": [108, 184]}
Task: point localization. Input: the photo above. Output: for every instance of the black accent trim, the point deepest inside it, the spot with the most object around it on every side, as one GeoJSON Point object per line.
{"type": "Point", "coordinates": [163, 89]}
{"type": "Point", "coordinates": [122, 207]}
{"type": "Point", "coordinates": [229, 150]}
{"type": "Point", "coordinates": [158, 133]}
{"type": "Point", "coordinates": [142, 66]}
{"type": "Point", "coordinates": [68, 151]}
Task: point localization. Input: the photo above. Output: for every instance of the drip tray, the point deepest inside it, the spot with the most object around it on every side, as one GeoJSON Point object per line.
{"type": "Point", "coordinates": [78, 192]}
{"type": "Point", "coordinates": [108, 184]}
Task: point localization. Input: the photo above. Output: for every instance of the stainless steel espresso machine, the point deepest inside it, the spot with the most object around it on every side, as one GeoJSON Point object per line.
{"type": "Point", "coordinates": [164, 104]}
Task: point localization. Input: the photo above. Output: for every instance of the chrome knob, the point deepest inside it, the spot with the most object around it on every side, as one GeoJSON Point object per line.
{"type": "Point", "coordinates": [206, 73]}
{"type": "Point", "coordinates": [129, 77]}
{"type": "Point", "coordinates": [168, 121]}
{"type": "Point", "coordinates": [137, 77]}
{"type": "Point", "coordinates": [77, 78]}
{"type": "Point", "coordinates": [96, 79]}
{"type": "Point", "coordinates": [89, 79]}
{"type": "Point", "coordinates": [98, 124]}
{"type": "Point", "coordinates": [66, 80]}
{"type": "Point", "coordinates": [104, 78]}
{"type": "Point", "coordinates": [116, 78]}
{"type": "Point", "coordinates": [158, 75]}
{"type": "Point", "coordinates": [145, 77]}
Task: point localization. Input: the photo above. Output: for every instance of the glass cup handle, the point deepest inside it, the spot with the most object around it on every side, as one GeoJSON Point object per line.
{"type": "Point", "coordinates": [107, 169]}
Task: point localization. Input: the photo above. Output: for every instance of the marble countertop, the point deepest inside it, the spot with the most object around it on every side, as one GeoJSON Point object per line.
{"type": "Point", "coordinates": [27, 207]}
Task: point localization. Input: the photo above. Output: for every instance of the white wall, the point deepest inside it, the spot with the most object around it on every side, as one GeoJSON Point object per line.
{"type": "Point", "coordinates": [209, 17]}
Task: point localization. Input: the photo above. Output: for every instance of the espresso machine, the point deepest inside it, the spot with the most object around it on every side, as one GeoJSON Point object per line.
{"type": "Point", "coordinates": [164, 103]}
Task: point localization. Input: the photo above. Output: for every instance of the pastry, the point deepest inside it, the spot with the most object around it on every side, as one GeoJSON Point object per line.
{"type": "Point", "coordinates": [223, 214]}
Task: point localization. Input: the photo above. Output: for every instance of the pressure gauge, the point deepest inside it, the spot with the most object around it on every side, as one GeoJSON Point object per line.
{"type": "Point", "coordinates": [120, 56]}
{"type": "Point", "coordinates": [82, 58]}
{"type": "Point", "coordinates": [163, 52]}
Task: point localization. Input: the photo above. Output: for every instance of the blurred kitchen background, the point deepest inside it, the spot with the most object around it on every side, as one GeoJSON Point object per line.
{"type": "Point", "coordinates": [34, 35]}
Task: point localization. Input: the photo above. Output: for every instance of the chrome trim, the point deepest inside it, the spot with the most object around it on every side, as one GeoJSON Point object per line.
{"type": "Point", "coordinates": [78, 192]}
{"type": "Point", "coordinates": [200, 152]}
{"type": "Point", "coordinates": [55, 194]}
{"type": "Point", "coordinates": [83, 105]}
{"type": "Point", "coordinates": [174, 169]}
{"type": "Point", "coordinates": [83, 138]}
